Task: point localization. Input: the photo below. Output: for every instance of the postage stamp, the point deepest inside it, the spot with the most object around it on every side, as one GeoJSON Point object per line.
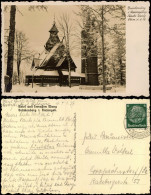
{"type": "Point", "coordinates": [136, 116]}
{"type": "Point", "coordinates": [137, 120]}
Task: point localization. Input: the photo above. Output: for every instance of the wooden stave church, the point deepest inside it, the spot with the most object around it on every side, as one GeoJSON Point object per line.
{"type": "Point", "coordinates": [52, 66]}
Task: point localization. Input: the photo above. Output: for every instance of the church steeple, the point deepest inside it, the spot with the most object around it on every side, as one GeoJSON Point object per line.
{"type": "Point", "coordinates": [54, 28]}
{"type": "Point", "coordinates": [53, 38]}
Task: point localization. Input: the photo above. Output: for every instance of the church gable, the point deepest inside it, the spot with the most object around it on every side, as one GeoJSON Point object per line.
{"type": "Point", "coordinates": [53, 57]}
{"type": "Point", "coordinates": [64, 64]}
{"type": "Point", "coordinates": [59, 62]}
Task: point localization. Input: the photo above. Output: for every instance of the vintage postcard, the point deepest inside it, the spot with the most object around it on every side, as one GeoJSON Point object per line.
{"type": "Point", "coordinates": [75, 48]}
{"type": "Point", "coordinates": [93, 146]}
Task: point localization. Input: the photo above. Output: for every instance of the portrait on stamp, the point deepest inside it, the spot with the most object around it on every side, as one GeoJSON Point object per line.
{"type": "Point", "coordinates": [136, 115]}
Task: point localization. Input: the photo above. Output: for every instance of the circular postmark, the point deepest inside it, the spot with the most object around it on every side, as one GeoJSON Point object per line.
{"type": "Point", "coordinates": [137, 121]}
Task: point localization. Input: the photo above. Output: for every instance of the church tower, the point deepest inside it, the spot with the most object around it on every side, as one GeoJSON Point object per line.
{"type": "Point", "coordinates": [89, 53]}
{"type": "Point", "coordinates": [53, 38]}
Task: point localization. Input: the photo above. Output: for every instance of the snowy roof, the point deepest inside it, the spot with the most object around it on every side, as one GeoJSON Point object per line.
{"type": "Point", "coordinates": [51, 73]}
{"type": "Point", "coordinates": [74, 74]}
{"type": "Point", "coordinates": [40, 72]}
{"type": "Point", "coordinates": [49, 55]}
{"type": "Point", "coordinates": [60, 62]}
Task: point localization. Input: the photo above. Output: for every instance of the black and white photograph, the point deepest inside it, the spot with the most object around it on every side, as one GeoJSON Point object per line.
{"type": "Point", "coordinates": [64, 48]}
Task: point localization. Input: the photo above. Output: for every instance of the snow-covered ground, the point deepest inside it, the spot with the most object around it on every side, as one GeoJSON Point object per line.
{"type": "Point", "coordinates": [63, 89]}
